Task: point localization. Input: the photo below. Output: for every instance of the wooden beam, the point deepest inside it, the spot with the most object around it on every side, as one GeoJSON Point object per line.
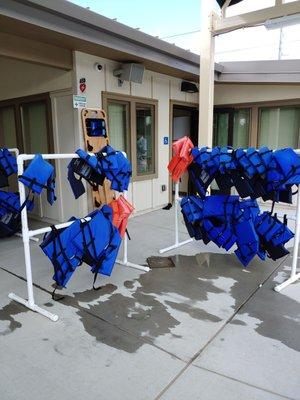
{"type": "Point", "coordinates": [207, 75]}
{"type": "Point", "coordinates": [30, 50]}
{"type": "Point", "coordinates": [253, 18]}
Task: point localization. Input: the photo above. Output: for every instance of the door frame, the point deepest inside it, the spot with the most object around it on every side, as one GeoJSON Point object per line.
{"type": "Point", "coordinates": [173, 103]}
{"type": "Point", "coordinates": [17, 102]}
{"type": "Point", "coordinates": [230, 112]}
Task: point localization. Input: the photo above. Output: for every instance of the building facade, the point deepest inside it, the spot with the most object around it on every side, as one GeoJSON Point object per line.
{"type": "Point", "coordinates": [47, 53]}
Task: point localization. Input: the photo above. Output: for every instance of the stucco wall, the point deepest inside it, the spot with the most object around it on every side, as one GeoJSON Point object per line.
{"type": "Point", "coordinates": [21, 78]}
{"type": "Point", "coordinates": [231, 94]}
{"type": "Point", "coordinates": [144, 194]}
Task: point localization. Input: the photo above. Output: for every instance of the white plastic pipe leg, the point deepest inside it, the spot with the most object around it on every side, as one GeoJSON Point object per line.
{"type": "Point", "coordinates": [177, 243]}
{"type": "Point", "coordinates": [294, 276]}
{"type": "Point", "coordinates": [33, 307]}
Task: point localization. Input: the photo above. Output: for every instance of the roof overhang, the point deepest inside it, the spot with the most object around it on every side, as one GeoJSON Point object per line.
{"type": "Point", "coordinates": [271, 71]}
{"type": "Point", "coordinates": [255, 18]}
{"type": "Point", "coordinates": [61, 23]}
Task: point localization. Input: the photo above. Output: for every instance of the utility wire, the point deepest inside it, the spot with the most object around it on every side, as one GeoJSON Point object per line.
{"type": "Point", "coordinates": [180, 34]}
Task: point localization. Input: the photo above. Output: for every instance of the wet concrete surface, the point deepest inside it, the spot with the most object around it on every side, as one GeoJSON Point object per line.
{"type": "Point", "coordinates": [178, 315]}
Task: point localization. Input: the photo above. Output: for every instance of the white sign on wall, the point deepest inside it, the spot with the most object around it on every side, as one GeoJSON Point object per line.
{"type": "Point", "coordinates": [79, 101]}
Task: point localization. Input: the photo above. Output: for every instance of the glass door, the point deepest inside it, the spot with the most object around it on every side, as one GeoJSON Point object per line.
{"type": "Point", "coordinates": [231, 127]}
{"type": "Point", "coordinates": [36, 139]}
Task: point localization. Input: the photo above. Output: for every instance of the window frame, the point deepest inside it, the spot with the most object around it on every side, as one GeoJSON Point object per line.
{"type": "Point", "coordinates": [133, 101]}
{"type": "Point", "coordinates": [255, 114]}
{"type": "Point", "coordinates": [17, 103]}
{"type": "Point", "coordinates": [274, 106]}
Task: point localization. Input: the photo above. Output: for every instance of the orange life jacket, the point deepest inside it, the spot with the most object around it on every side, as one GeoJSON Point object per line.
{"type": "Point", "coordinates": [122, 209]}
{"type": "Point", "coordinates": [182, 157]}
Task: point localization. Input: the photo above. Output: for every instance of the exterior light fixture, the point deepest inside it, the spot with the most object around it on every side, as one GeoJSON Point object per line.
{"type": "Point", "coordinates": [189, 87]}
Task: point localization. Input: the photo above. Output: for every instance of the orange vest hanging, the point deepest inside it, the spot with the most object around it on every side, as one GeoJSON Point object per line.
{"type": "Point", "coordinates": [182, 157]}
{"type": "Point", "coordinates": [122, 209]}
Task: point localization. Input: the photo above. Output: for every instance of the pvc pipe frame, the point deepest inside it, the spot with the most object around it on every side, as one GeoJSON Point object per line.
{"type": "Point", "coordinates": [27, 234]}
{"type": "Point", "coordinates": [294, 276]}
{"type": "Point", "coordinates": [17, 152]}
{"type": "Point", "coordinates": [177, 243]}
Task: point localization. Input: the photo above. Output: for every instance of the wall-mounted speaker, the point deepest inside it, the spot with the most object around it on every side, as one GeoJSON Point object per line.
{"type": "Point", "coordinates": [131, 72]}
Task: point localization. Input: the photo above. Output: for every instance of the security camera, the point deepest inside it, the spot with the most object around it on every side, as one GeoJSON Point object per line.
{"type": "Point", "coordinates": [98, 66]}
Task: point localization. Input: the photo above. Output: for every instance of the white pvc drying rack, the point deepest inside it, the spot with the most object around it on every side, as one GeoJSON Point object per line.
{"type": "Point", "coordinates": [27, 234]}
{"type": "Point", "coordinates": [177, 244]}
{"type": "Point", "coordinates": [17, 152]}
{"type": "Point", "coordinates": [294, 275]}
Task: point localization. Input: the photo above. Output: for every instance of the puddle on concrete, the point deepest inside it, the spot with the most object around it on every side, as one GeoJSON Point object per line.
{"type": "Point", "coordinates": [278, 316]}
{"type": "Point", "coordinates": [147, 304]}
{"type": "Point", "coordinates": [7, 313]}
{"type": "Point", "coordinates": [143, 309]}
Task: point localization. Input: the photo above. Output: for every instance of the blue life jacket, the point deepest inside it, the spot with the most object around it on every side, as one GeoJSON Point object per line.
{"type": "Point", "coordinates": [116, 167]}
{"type": "Point", "coordinates": [273, 234]}
{"type": "Point", "coordinates": [99, 241]}
{"type": "Point", "coordinates": [227, 161]}
{"type": "Point", "coordinates": [201, 170]}
{"type": "Point", "coordinates": [86, 167]}
{"type": "Point", "coordinates": [221, 206]}
{"type": "Point", "coordinates": [108, 163]}
{"type": "Point", "coordinates": [40, 175]}
{"type": "Point", "coordinates": [221, 234]}
{"type": "Point", "coordinates": [284, 169]}
{"type": "Point", "coordinates": [10, 213]}
{"type": "Point", "coordinates": [8, 166]}
{"type": "Point", "coordinates": [247, 241]}
{"type": "Point", "coordinates": [11, 202]}
{"type": "Point", "coordinates": [192, 208]}
{"type": "Point", "coordinates": [59, 248]}
{"type": "Point", "coordinates": [272, 229]}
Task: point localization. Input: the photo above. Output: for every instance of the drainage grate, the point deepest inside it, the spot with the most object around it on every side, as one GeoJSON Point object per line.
{"type": "Point", "coordinates": [160, 262]}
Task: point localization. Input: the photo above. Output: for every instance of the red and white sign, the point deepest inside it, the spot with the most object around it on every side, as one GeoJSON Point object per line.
{"type": "Point", "coordinates": [82, 85]}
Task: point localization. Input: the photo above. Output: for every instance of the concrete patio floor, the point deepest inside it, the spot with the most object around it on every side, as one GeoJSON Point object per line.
{"type": "Point", "coordinates": [206, 329]}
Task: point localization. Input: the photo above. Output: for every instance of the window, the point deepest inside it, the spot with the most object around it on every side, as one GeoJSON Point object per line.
{"type": "Point", "coordinates": [231, 127]}
{"type": "Point", "coordinates": [118, 122]}
{"type": "Point", "coordinates": [241, 128]}
{"type": "Point", "coordinates": [145, 140]}
{"type": "Point", "coordinates": [279, 127]}
{"type": "Point", "coordinates": [8, 132]}
{"type": "Point", "coordinates": [132, 128]}
{"type": "Point", "coordinates": [25, 123]}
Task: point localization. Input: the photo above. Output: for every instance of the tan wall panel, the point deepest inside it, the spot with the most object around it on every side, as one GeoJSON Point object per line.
{"type": "Point", "coordinates": [20, 78]}
{"type": "Point", "coordinates": [231, 94]}
{"type": "Point", "coordinates": [33, 51]}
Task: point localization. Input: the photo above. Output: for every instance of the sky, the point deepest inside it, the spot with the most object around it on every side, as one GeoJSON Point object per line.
{"type": "Point", "coordinates": [180, 25]}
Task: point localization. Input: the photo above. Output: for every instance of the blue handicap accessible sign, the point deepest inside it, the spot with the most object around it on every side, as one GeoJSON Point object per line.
{"type": "Point", "coordinates": [166, 140]}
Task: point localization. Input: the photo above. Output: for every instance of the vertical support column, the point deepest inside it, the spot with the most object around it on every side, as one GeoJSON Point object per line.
{"type": "Point", "coordinates": [176, 201]}
{"type": "Point", "coordinates": [207, 75]}
{"type": "Point", "coordinates": [297, 237]}
{"type": "Point", "coordinates": [294, 275]}
{"type": "Point", "coordinates": [25, 234]}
